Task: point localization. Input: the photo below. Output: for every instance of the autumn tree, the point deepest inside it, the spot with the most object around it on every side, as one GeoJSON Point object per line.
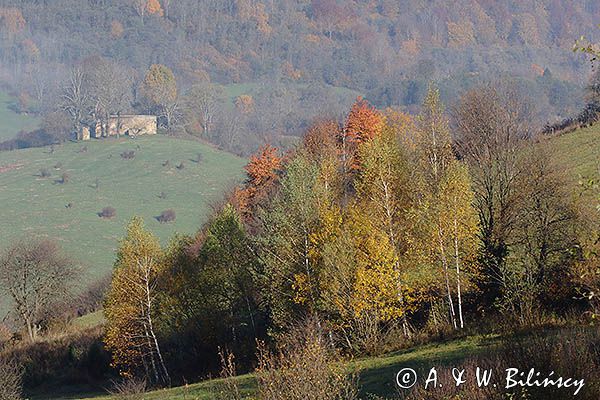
{"type": "Point", "coordinates": [435, 155]}
{"type": "Point", "coordinates": [131, 306]}
{"type": "Point", "coordinates": [286, 242]}
{"type": "Point", "coordinates": [36, 275]}
{"type": "Point", "coordinates": [262, 174]}
{"type": "Point", "coordinates": [330, 14]}
{"type": "Point", "coordinates": [12, 21]}
{"type": "Point", "coordinates": [383, 195]}
{"type": "Point", "coordinates": [322, 145]}
{"type": "Point", "coordinates": [145, 7]}
{"type": "Point", "coordinates": [159, 92]}
{"type": "Point", "coordinates": [457, 220]}
{"type": "Point", "coordinates": [364, 123]}
{"type": "Point", "coordinates": [322, 138]}
{"type": "Point", "coordinates": [448, 200]}
{"type": "Point", "coordinates": [378, 291]}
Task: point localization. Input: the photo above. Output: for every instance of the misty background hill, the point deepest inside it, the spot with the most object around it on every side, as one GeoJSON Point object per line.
{"type": "Point", "coordinates": [270, 67]}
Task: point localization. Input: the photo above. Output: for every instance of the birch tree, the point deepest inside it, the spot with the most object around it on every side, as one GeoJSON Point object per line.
{"type": "Point", "coordinates": [434, 156]}
{"type": "Point", "coordinates": [458, 220]}
{"type": "Point", "coordinates": [131, 306]}
{"type": "Point", "coordinates": [383, 189]}
{"type": "Point", "coordinates": [287, 242]}
{"type": "Point", "coordinates": [448, 204]}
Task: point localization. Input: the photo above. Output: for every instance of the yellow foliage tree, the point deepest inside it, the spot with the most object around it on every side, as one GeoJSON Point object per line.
{"type": "Point", "coordinates": [376, 286]}
{"type": "Point", "coordinates": [448, 201]}
{"type": "Point", "coordinates": [130, 306]}
{"type": "Point", "coordinates": [159, 90]}
{"type": "Point", "coordinates": [458, 222]}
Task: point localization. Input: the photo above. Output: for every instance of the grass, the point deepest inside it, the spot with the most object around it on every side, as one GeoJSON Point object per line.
{"type": "Point", "coordinates": [11, 122]}
{"type": "Point", "coordinates": [579, 152]}
{"type": "Point", "coordinates": [232, 91]}
{"type": "Point", "coordinates": [89, 320]}
{"type": "Point", "coordinates": [34, 205]}
{"type": "Point", "coordinates": [376, 374]}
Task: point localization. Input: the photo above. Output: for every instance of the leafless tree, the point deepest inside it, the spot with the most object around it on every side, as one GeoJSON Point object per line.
{"type": "Point", "coordinates": [10, 380]}
{"type": "Point", "coordinates": [111, 89]}
{"type": "Point", "coordinates": [76, 98]}
{"type": "Point", "coordinates": [545, 227]}
{"type": "Point", "coordinates": [303, 368]}
{"type": "Point", "coordinates": [493, 123]}
{"type": "Point", "coordinates": [141, 8]}
{"type": "Point", "coordinates": [35, 274]}
{"type": "Point", "coordinates": [204, 100]}
{"type": "Point", "coordinates": [129, 389]}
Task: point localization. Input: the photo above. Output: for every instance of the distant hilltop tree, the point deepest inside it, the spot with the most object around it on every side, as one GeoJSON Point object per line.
{"type": "Point", "coordinates": [159, 92]}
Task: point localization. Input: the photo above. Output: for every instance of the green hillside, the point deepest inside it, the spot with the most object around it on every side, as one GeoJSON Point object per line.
{"type": "Point", "coordinates": [376, 374]}
{"type": "Point", "coordinates": [579, 151]}
{"type": "Point", "coordinates": [68, 212]}
{"type": "Point", "coordinates": [11, 122]}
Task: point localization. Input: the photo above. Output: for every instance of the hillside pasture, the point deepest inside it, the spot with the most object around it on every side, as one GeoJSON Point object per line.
{"type": "Point", "coordinates": [61, 192]}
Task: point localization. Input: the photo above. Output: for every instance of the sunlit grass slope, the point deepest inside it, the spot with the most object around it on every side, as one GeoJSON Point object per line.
{"type": "Point", "coordinates": [100, 177]}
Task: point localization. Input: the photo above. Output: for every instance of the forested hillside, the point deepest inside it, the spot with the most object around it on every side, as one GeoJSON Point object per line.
{"type": "Point", "coordinates": [297, 54]}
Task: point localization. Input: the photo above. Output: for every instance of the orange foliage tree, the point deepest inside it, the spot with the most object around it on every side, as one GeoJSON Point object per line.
{"type": "Point", "coordinates": [321, 138]}
{"type": "Point", "coordinates": [364, 123]}
{"type": "Point", "coordinates": [262, 172]}
{"type": "Point", "coordinates": [154, 7]}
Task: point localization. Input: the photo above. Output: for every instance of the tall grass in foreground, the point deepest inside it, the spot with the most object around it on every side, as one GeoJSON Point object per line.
{"type": "Point", "coordinates": [570, 353]}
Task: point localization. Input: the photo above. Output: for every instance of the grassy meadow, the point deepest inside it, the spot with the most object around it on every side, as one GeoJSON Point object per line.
{"type": "Point", "coordinates": [99, 177]}
{"type": "Point", "coordinates": [579, 151]}
{"type": "Point", "coordinates": [375, 374]}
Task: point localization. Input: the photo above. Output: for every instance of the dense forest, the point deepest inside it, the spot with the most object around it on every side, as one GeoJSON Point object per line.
{"type": "Point", "coordinates": [249, 72]}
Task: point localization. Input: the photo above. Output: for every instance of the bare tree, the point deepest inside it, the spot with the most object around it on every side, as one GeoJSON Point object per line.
{"type": "Point", "coordinates": [140, 8]}
{"type": "Point", "coordinates": [11, 376]}
{"type": "Point", "coordinates": [35, 275]}
{"type": "Point", "coordinates": [111, 89]}
{"type": "Point", "coordinates": [76, 98]}
{"type": "Point", "coordinates": [204, 100]}
{"type": "Point", "coordinates": [492, 125]}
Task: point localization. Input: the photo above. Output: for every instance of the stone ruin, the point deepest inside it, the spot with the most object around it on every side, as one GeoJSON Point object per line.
{"type": "Point", "coordinates": [130, 125]}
